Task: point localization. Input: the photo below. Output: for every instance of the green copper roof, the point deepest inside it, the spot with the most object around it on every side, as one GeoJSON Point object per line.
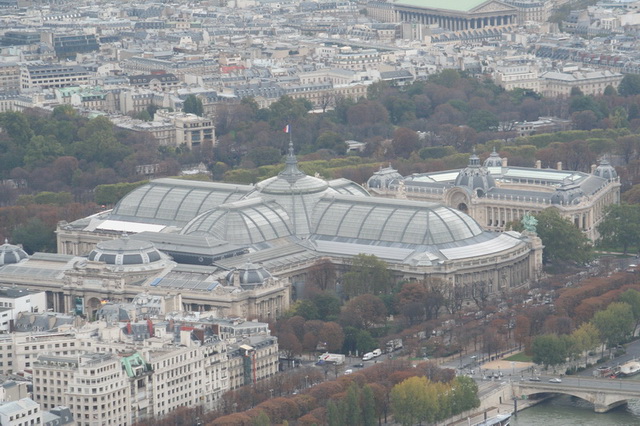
{"type": "Point", "coordinates": [457, 5]}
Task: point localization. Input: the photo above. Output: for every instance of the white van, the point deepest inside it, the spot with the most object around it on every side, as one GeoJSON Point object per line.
{"type": "Point", "coordinates": [368, 356]}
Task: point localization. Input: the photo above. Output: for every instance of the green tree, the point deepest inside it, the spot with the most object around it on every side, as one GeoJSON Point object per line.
{"type": "Point", "coordinates": [328, 306]}
{"type": "Point", "coordinates": [464, 394]}
{"type": "Point", "coordinates": [367, 275]}
{"type": "Point", "coordinates": [193, 105]}
{"type": "Point", "coordinates": [562, 240]}
{"type": "Point", "coordinates": [334, 414]}
{"type": "Point", "coordinates": [615, 323]}
{"type": "Point", "coordinates": [353, 408]}
{"type": "Point", "coordinates": [111, 194]}
{"type": "Point", "coordinates": [632, 298]}
{"type": "Point", "coordinates": [365, 342]}
{"type": "Point", "coordinates": [447, 78]}
{"type": "Point", "coordinates": [304, 308]}
{"type": "Point", "coordinates": [16, 125]}
{"type": "Point", "coordinates": [332, 141]}
{"type": "Point", "coordinates": [41, 150]}
{"type": "Point", "coordinates": [261, 419]}
{"type": "Point", "coordinates": [621, 226]}
{"type": "Point", "coordinates": [630, 85]}
{"type": "Point", "coordinates": [35, 235]}
{"type": "Point", "coordinates": [549, 350]}
{"type": "Point", "coordinates": [369, 412]}
{"type": "Point", "coordinates": [482, 120]}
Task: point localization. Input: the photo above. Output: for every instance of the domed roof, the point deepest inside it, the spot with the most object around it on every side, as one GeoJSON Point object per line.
{"type": "Point", "coordinates": [125, 251]}
{"type": "Point", "coordinates": [295, 192]}
{"type": "Point", "coordinates": [567, 195]}
{"type": "Point", "coordinates": [245, 222]}
{"type": "Point", "coordinates": [249, 274]}
{"type": "Point", "coordinates": [11, 254]}
{"type": "Point", "coordinates": [361, 220]}
{"type": "Point", "coordinates": [493, 160]}
{"type": "Point", "coordinates": [605, 170]}
{"type": "Point", "coordinates": [383, 177]}
{"type": "Point", "coordinates": [475, 177]}
{"type": "Point", "coordinates": [291, 180]}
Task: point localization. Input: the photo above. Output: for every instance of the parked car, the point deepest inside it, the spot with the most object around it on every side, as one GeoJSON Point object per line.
{"type": "Point", "coordinates": [534, 379]}
{"type": "Point", "coordinates": [555, 380]}
{"type": "Point", "coordinates": [349, 371]}
{"type": "Point", "coordinates": [358, 365]}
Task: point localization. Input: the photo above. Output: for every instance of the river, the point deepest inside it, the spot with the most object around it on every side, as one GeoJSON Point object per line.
{"type": "Point", "coordinates": [570, 411]}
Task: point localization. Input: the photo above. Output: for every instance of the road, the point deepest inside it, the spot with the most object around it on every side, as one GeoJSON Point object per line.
{"type": "Point", "coordinates": [587, 384]}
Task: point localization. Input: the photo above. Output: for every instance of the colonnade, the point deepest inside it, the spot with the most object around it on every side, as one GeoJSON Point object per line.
{"type": "Point", "coordinates": [457, 23]}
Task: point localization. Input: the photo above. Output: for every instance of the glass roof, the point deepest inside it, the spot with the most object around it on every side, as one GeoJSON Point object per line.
{"type": "Point", "coordinates": [175, 201]}
{"type": "Point", "coordinates": [244, 222]}
{"type": "Point", "coordinates": [396, 221]}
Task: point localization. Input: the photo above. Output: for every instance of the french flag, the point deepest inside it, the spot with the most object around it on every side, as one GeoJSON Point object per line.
{"type": "Point", "coordinates": [287, 129]}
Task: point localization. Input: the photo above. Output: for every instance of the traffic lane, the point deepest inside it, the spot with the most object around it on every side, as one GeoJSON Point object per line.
{"type": "Point", "coordinates": [584, 383]}
{"type": "Point", "coordinates": [633, 352]}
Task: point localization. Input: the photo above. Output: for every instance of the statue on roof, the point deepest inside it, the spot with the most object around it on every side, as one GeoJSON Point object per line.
{"type": "Point", "coordinates": [529, 222]}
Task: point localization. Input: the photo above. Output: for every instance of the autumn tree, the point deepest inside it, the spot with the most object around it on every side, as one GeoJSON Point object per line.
{"type": "Point", "coordinates": [289, 345]}
{"type": "Point", "coordinates": [522, 332]}
{"type": "Point", "coordinates": [332, 336]}
{"type": "Point", "coordinates": [364, 312]}
{"type": "Point", "coordinates": [585, 338]}
{"type": "Point", "coordinates": [322, 275]}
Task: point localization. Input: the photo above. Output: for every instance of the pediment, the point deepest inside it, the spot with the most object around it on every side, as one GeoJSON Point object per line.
{"type": "Point", "coordinates": [492, 6]}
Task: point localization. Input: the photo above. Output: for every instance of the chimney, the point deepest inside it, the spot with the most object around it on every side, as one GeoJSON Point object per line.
{"type": "Point", "coordinates": [538, 164]}
{"type": "Point", "coordinates": [504, 161]}
{"type": "Point", "coordinates": [559, 165]}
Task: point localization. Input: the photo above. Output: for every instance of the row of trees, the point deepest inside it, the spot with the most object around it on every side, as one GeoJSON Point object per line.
{"type": "Point", "coordinates": [362, 398]}
{"type": "Point", "coordinates": [418, 399]}
{"type": "Point", "coordinates": [609, 327]}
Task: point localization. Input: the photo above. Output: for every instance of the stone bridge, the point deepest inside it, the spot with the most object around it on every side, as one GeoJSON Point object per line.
{"type": "Point", "coordinates": [604, 394]}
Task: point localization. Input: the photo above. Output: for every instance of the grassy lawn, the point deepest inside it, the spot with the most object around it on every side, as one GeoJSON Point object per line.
{"type": "Point", "coordinates": [520, 357]}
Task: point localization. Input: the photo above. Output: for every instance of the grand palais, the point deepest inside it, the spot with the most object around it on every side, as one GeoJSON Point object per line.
{"type": "Point", "coordinates": [244, 249]}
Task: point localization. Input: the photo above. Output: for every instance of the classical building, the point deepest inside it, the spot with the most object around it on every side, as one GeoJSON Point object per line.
{"type": "Point", "coordinates": [282, 225]}
{"type": "Point", "coordinates": [590, 82]}
{"type": "Point", "coordinates": [531, 10]}
{"type": "Point", "coordinates": [118, 270]}
{"type": "Point", "coordinates": [495, 194]}
{"type": "Point", "coordinates": [467, 15]}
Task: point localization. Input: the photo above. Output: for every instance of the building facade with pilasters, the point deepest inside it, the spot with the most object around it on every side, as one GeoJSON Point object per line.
{"type": "Point", "coordinates": [461, 15]}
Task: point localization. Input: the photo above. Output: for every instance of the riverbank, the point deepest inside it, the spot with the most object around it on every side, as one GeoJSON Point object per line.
{"type": "Point", "coordinates": [495, 398]}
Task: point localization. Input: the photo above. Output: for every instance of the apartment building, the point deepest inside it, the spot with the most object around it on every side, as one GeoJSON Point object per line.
{"type": "Point", "coordinates": [93, 386]}
{"type": "Point", "coordinates": [52, 76]}
{"type": "Point", "coordinates": [254, 359]}
{"type": "Point", "coordinates": [98, 393]}
{"type": "Point", "coordinates": [25, 412]}
{"type": "Point", "coordinates": [178, 375]}
{"type": "Point", "coordinates": [9, 77]}
{"type": "Point", "coordinates": [51, 377]}
{"type": "Point", "coordinates": [190, 130]}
